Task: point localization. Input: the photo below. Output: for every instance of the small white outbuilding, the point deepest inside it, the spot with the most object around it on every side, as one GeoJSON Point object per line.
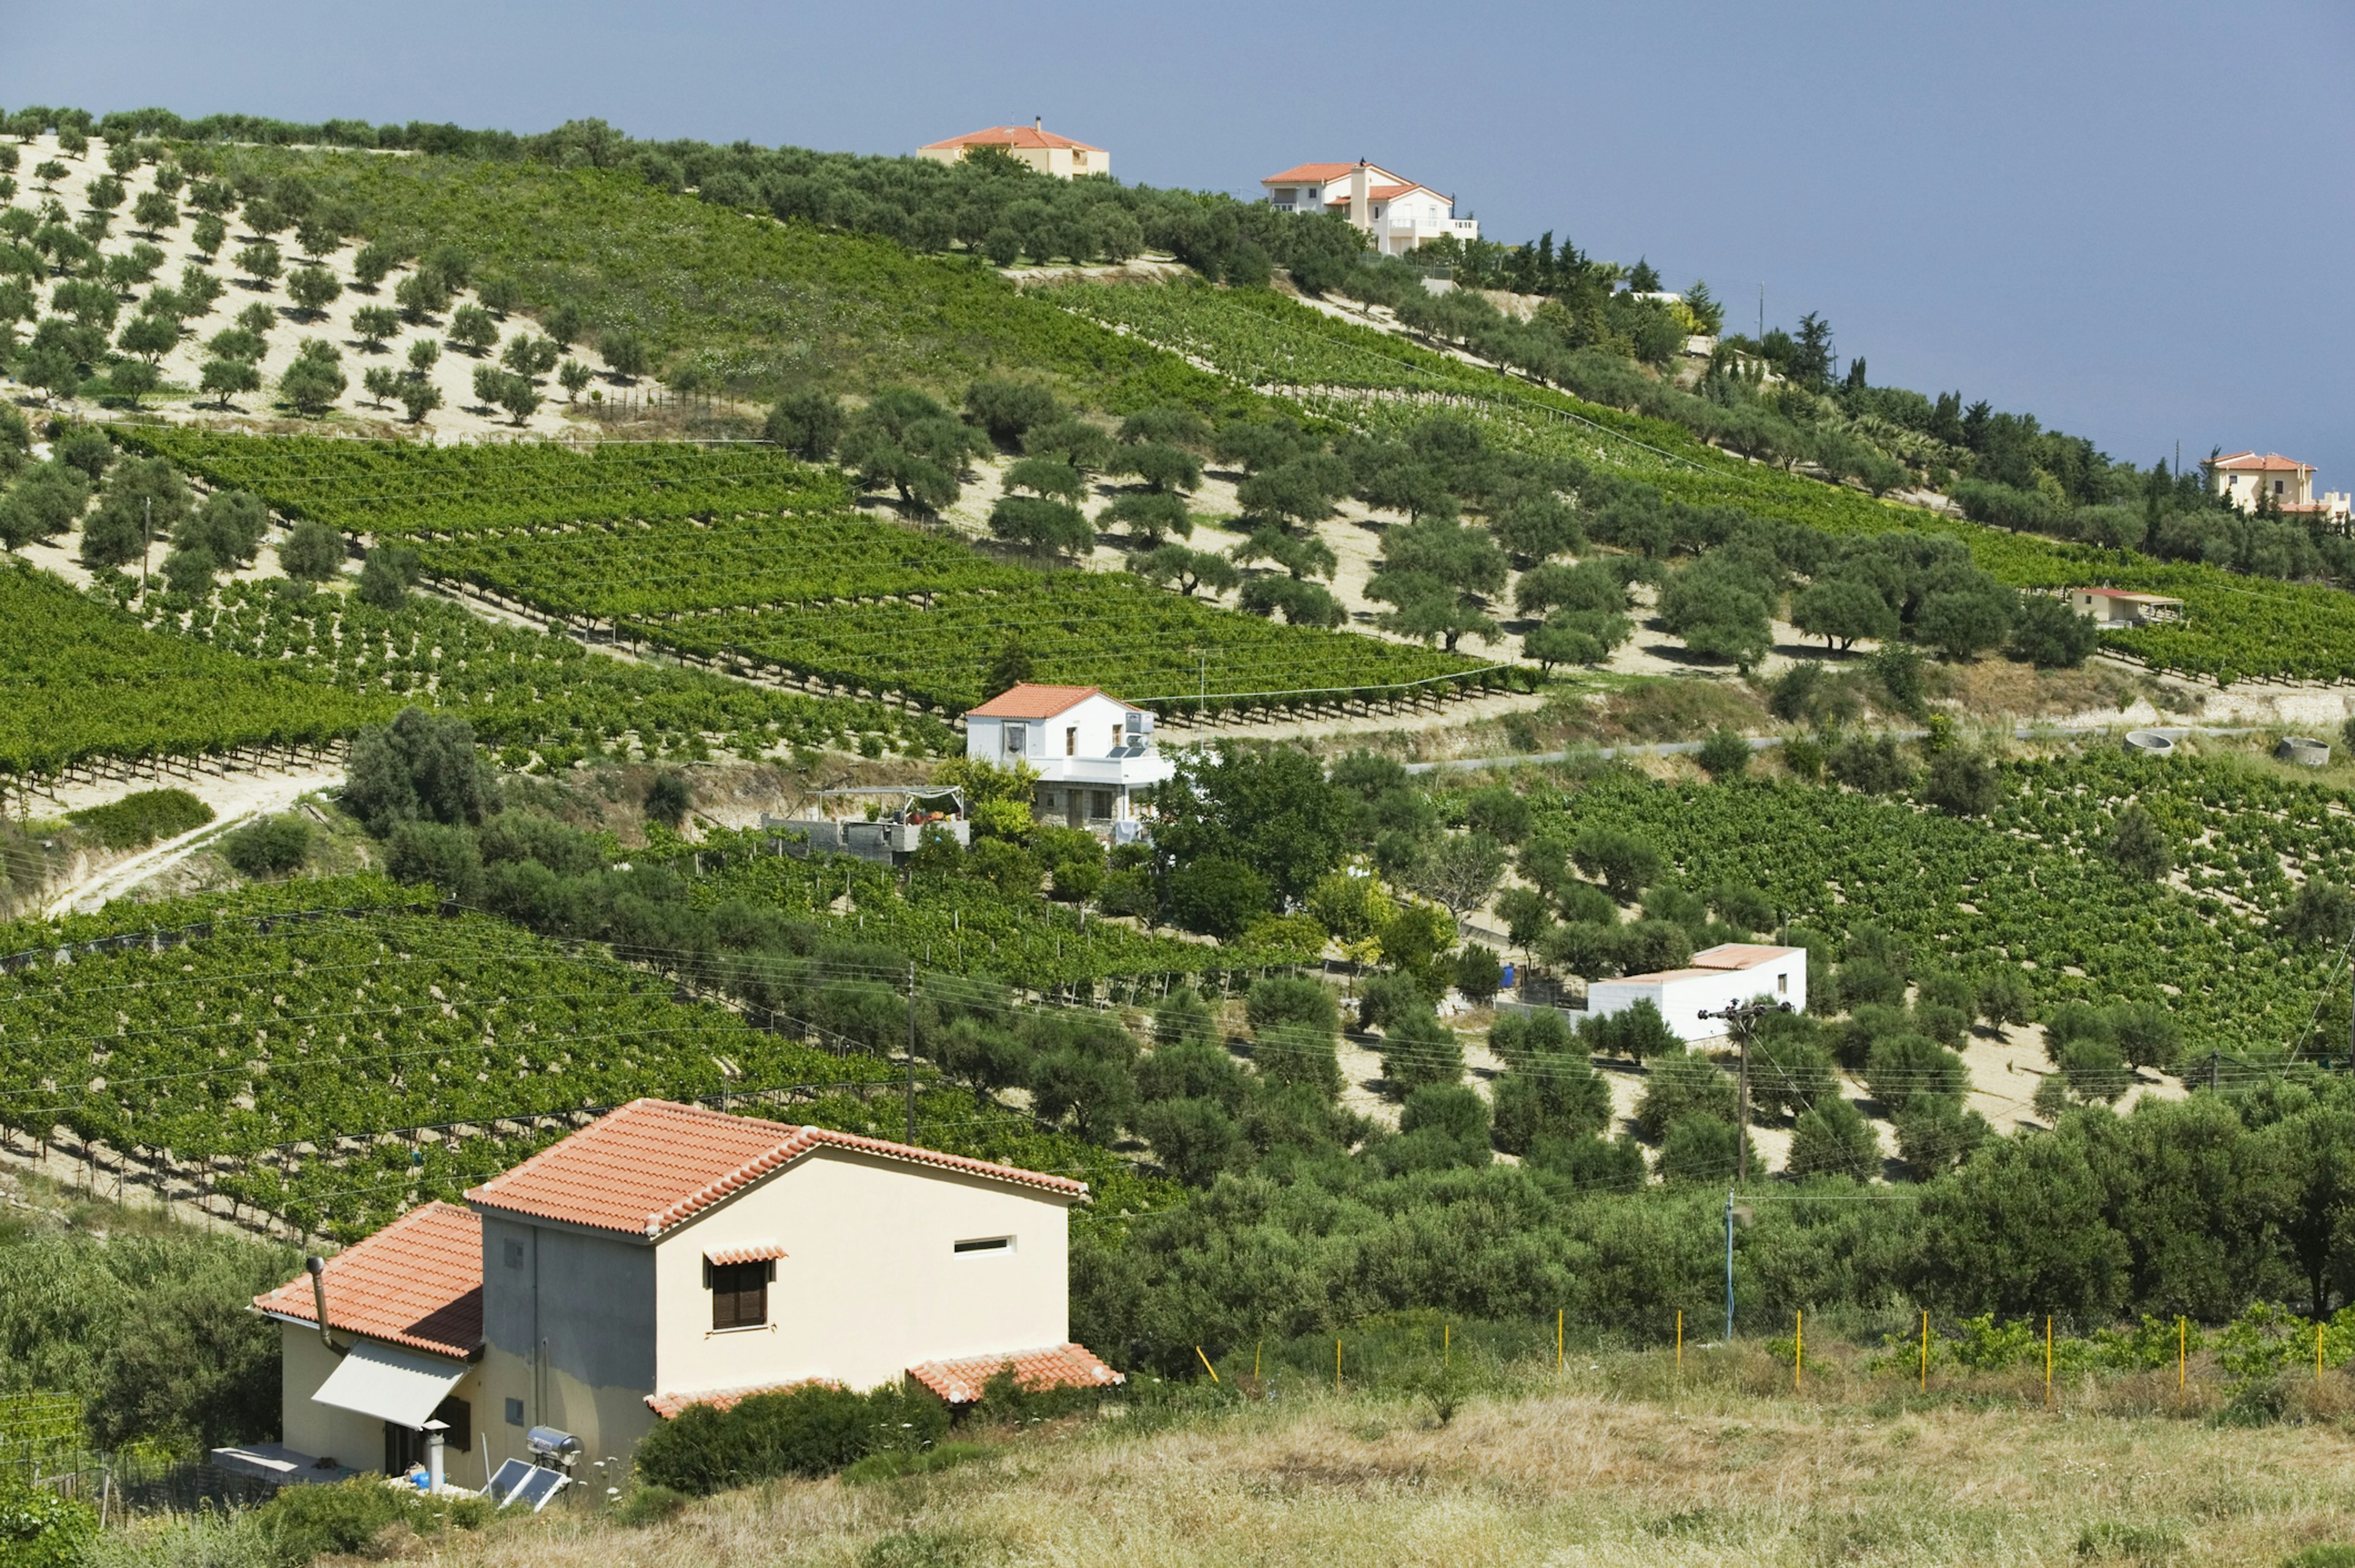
{"type": "Point", "coordinates": [1716, 978]}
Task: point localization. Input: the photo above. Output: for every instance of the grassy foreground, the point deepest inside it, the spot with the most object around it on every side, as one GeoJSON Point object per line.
{"type": "Point", "coordinates": [1605, 1463]}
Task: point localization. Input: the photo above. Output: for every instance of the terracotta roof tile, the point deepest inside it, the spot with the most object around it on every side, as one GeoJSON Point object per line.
{"type": "Point", "coordinates": [744, 1253]}
{"type": "Point", "coordinates": [1319, 174]}
{"type": "Point", "coordinates": [652, 1165]}
{"type": "Point", "coordinates": [418, 1282]}
{"type": "Point", "coordinates": [1031, 702]}
{"type": "Point", "coordinates": [2249, 460]}
{"type": "Point", "coordinates": [1012, 136]}
{"type": "Point", "coordinates": [668, 1405]}
{"type": "Point", "coordinates": [1057, 1366]}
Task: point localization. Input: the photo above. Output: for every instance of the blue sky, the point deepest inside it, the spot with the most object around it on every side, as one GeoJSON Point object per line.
{"type": "Point", "coordinates": [2133, 220]}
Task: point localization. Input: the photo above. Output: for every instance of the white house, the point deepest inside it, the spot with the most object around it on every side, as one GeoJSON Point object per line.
{"type": "Point", "coordinates": [1094, 754]}
{"type": "Point", "coordinates": [1399, 213]}
{"type": "Point", "coordinates": [2244, 478]}
{"type": "Point", "coordinates": [667, 1255]}
{"type": "Point", "coordinates": [2117, 607]}
{"type": "Point", "coordinates": [1033, 145]}
{"type": "Point", "coordinates": [1717, 977]}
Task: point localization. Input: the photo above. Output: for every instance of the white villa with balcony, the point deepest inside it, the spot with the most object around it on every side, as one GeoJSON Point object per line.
{"type": "Point", "coordinates": [1094, 754]}
{"type": "Point", "coordinates": [1396, 211]}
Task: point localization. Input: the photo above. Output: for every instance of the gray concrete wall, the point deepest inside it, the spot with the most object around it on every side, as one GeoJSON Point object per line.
{"type": "Point", "coordinates": [589, 1300]}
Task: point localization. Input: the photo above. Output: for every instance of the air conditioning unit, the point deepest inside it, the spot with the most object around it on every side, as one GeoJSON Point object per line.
{"type": "Point", "coordinates": [1140, 726]}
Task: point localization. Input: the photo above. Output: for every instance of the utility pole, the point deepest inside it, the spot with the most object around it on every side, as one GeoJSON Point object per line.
{"type": "Point", "coordinates": [912, 1050]}
{"type": "Point", "coordinates": [1762, 314]}
{"type": "Point", "coordinates": [1742, 1020]}
{"type": "Point", "coordinates": [1728, 1265]}
{"type": "Point", "coordinates": [146, 537]}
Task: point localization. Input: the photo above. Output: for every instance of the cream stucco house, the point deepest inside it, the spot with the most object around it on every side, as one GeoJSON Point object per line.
{"type": "Point", "coordinates": [1397, 212]}
{"type": "Point", "coordinates": [2248, 479]}
{"type": "Point", "coordinates": [2117, 607]}
{"type": "Point", "coordinates": [663, 1256]}
{"type": "Point", "coordinates": [1033, 145]}
{"type": "Point", "coordinates": [1094, 754]}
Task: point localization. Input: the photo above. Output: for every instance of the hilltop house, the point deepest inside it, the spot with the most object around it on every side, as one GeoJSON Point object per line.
{"type": "Point", "coordinates": [2246, 479]}
{"type": "Point", "coordinates": [1094, 754]}
{"type": "Point", "coordinates": [2117, 607]}
{"type": "Point", "coordinates": [667, 1255]}
{"type": "Point", "coordinates": [1399, 213]}
{"type": "Point", "coordinates": [1716, 978]}
{"type": "Point", "coordinates": [1033, 145]}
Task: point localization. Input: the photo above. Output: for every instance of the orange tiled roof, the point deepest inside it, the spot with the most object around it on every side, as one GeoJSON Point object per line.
{"type": "Point", "coordinates": [744, 1253]}
{"type": "Point", "coordinates": [1012, 136]}
{"type": "Point", "coordinates": [1311, 173]}
{"type": "Point", "coordinates": [418, 1282]}
{"type": "Point", "coordinates": [668, 1405]}
{"type": "Point", "coordinates": [1057, 1366]}
{"type": "Point", "coordinates": [2250, 460]}
{"type": "Point", "coordinates": [652, 1165]}
{"type": "Point", "coordinates": [1029, 701]}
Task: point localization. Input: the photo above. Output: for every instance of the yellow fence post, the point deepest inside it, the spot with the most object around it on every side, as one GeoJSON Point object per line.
{"type": "Point", "coordinates": [1925, 1350]}
{"type": "Point", "coordinates": [2317, 1351]}
{"type": "Point", "coordinates": [1557, 1338]}
{"type": "Point", "coordinates": [1206, 1364]}
{"type": "Point", "coordinates": [1447, 1344]}
{"type": "Point", "coordinates": [1681, 1347]}
{"type": "Point", "coordinates": [1256, 1345]}
{"type": "Point", "coordinates": [1799, 1348]}
{"type": "Point", "coordinates": [2047, 1358]}
{"type": "Point", "coordinates": [1336, 1366]}
{"type": "Point", "coordinates": [2182, 1354]}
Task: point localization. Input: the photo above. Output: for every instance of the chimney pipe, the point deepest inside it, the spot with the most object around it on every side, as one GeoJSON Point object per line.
{"type": "Point", "coordinates": [316, 1267]}
{"type": "Point", "coordinates": [436, 1457]}
{"type": "Point", "coordinates": [1037, 122]}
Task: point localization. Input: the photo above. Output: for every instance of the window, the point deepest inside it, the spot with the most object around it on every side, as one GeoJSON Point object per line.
{"type": "Point", "coordinates": [1119, 737]}
{"type": "Point", "coordinates": [1071, 742]}
{"type": "Point", "coordinates": [739, 1294]}
{"type": "Point", "coordinates": [2277, 486]}
{"type": "Point", "coordinates": [985, 1245]}
{"type": "Point", "coordinates": [515, 1254]}
{"type": "Point", "coordinates": [1018, 739]}
{"type": "Point", "coordinates": [515, 1412]}
{"type": "Point", "coordinates": [1782, 985]}
{"type": "Point", "coordinates": [1099, 803]}
{"type": "Point", "coordinates": [404, 1446]}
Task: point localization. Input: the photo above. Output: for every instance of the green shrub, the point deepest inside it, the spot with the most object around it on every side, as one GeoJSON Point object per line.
{"type": "Point", "coordinates": [138, 820]}
{"type": "Point", "coordinates": [39, 1529]}
{"type": "Point", "coordinates": [813, 1430]}
{"type": "Point", "coordinates": [272, 847]}
{"type": "Point", "coordinates": [894, 1462]}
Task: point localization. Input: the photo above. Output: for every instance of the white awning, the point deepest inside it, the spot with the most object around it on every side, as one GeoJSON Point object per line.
{"type": "Point", "coordinates": [399, 1386]}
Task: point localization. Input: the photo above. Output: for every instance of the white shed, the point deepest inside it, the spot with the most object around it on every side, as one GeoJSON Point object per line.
{"type": "Point", "coordinates": [1717, 977]}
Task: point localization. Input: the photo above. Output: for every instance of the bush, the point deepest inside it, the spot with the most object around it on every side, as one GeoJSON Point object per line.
{"type": "Point", "coordinates": [1832, 1138]}
{"type": "Point", "coordinates": [1685, 1084]}
{"type": "Point", "coordinates": [140, 819]}
{"type": "Point", "coordinates": [1556, 1097]}
{"type": "Point", "coordinates": [1637, 1034]}
{"type": "Point", "coordinates": [1287, 999]}
{"type": "Point", "coordinates": [1603, 1165]}
{"type": "Point", "coordinates": [1521, 1037]}
{"type": "Point", "coordinates": [1906, 1065]}
{"type": "Point", "coordinates": [1299, 1053]}
{"type": "Point", "coordinates": [1700, 1148]}
{"type": "Point", "coordinates": [39, 1529]}
{"type": "Point", "coordinates": [1417, 1050]}
{"type": "Point", "coordinates": [272, 847]}
{"type": "Point", "coordinates": [810, 1430]}
{"type": "Point", "coordinates": [668, 800]}
{"type": "Point", "coordinates": [1724, 754]}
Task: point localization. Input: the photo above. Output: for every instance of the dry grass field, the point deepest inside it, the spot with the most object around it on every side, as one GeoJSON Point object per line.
{"type": "Point", "coordinates": [1607, 1463]}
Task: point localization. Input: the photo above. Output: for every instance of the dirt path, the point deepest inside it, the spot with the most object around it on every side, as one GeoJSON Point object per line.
{"type": "Point", "coordinates": [236, 798]}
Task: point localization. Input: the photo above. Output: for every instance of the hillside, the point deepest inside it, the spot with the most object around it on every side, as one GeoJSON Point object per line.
{"type": "Point", "coordinates": [509, 527]}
